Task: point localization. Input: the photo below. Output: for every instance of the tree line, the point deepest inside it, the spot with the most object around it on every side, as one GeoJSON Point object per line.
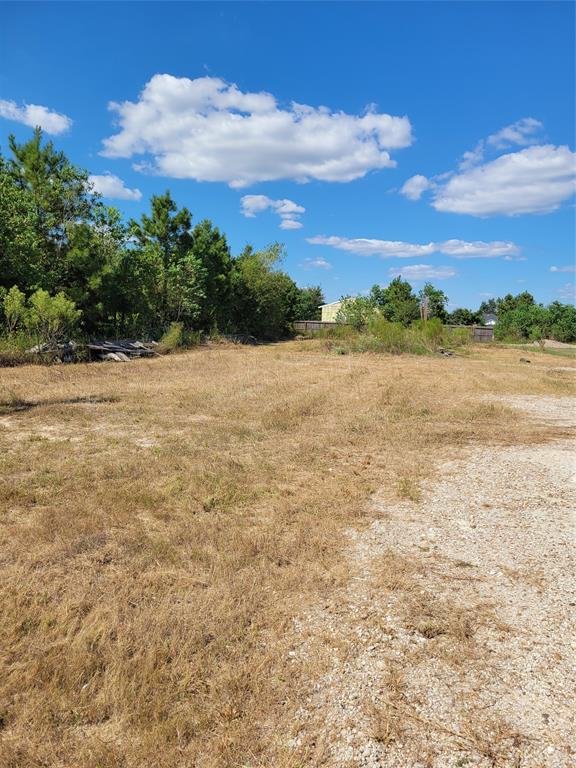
{"type": "Point", "coordinates": [519, 318]}
{"type": "Point", "coordinates": [68, 260]}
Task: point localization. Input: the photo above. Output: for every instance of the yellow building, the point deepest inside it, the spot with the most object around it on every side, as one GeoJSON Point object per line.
{"type": "Point", "coordinates": [329, 311]}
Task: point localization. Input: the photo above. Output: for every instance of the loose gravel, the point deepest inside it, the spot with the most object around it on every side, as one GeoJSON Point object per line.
{"type": "Point", "coordinates": [452, 645]}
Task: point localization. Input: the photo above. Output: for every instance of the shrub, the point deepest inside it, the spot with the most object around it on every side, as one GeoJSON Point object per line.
{"type": "Point", "coordinates": [432, 331]}
{"type": "Point", "coordinates": [336, 332]}
{"type": "Point", "coordinates": [14, 304]}
{"type": "Point", "coordinates": [172, 339]}
{"type": "Point", "coordinates": [421, 338]}
{"type": "Point", "coordinates": [356, 312]}
{"type": "Point", "coordinates": [458, 337]}
{"type": "Point", "coordinates": [51, 318]}
{"type": "Point", "coordinates": [392, 337]}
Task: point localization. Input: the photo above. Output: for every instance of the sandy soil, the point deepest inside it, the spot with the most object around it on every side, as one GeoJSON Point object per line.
{"type": "Point", "coordinates": [453, 643]}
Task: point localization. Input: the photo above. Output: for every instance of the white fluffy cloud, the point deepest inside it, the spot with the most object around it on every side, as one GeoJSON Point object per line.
{"type": "Point", "coordinates": [422, 272]}
{"type": "Point", "coordinates": [34, 115]}
{"type": "Point", "coordinates": [319, 263]}
{"type": "Point", "coordinates": [112, 187]}
{"type": "Point", "coordinates": [458, 249]}
{"type": "Point", "coordinates": [210, 130]}
{"type": "Point", "coordinates": [288, 210]}
{"type": "Point", "coordinates": [567, 268]}
{"type": "Point", "coordinates": [535, 179]}
{"type": "Point", "coordinates": [415, 187]}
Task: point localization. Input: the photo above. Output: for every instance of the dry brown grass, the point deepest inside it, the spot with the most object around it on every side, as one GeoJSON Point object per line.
{"type": "Point", "coordinates": [162, 522]}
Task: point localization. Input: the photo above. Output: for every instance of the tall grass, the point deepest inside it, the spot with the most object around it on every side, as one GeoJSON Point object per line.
{"type": "Point", "coordinates": [13, 349]}
{"type": "Point", "coordinates": [421, 338]}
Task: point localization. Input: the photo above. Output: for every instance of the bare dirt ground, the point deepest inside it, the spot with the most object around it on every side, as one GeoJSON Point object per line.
{"type": "Point", "coordinates": [453, 642]}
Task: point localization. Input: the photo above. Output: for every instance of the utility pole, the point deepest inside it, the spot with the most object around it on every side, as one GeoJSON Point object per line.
{"type": "Point", "coordinates": [424, 309]}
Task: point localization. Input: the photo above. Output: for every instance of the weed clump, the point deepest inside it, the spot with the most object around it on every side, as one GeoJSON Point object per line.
{"type": "Point", "coordinates": [382, 336]}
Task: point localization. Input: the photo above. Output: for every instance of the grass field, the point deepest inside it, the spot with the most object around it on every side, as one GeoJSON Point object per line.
{"type": "Point", "coordinates": [163, 522]}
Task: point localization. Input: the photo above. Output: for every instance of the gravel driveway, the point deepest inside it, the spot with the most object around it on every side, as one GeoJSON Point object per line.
{"type": "Point", "coordinates": [453, 644]}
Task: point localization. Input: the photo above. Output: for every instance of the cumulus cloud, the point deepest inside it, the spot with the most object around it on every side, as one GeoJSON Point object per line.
{"type": "Point", "coordinates": [319, 263]}
{"type": "Point", "coordinates": [458, 249]}
{"type": "Point", "coordinates": [422, 272]}
{"type": "Point", "coordinates": [210, 130]}
{"type": "Point", "coordinates": [567, 268]}
{"type": "Point", "coordinates": [415, 187]}
{"type": "Point", "coordinates": [35, 115]}
{"type": "Point", "coordinates": [535, 179]}
{"type": "Point", "coordinates": [288, 210]}
{"type": "Point", "coordinates": [114, 188]}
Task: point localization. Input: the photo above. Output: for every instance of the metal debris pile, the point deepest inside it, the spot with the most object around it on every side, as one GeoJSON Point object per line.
{"type": "Point", "coordinates": [57, 352]}
{"type": "Point", "coordinates": [120, 351]}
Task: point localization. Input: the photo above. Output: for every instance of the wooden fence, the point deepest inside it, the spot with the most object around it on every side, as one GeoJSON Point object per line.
{"type": "Point", "coordinates": [308, 326]}
{"type": "Point", "coordinates": [480, 333]}
{"type": "Point", "coordinates": [483, 333]}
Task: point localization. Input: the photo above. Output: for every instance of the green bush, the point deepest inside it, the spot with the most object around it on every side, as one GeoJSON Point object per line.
{"type": "Point", "coordinates": [336, 332]}
{"type": "Point", "coordinates": [382, 336]}
{"type": "Point", "coordinates": [433, 331]}
{"type": "Point", "coordinates": [51, 318]}
{"type": "Point", "coordinates": [458, 337]}
{"type": "Point", "coordinates": [14, 304]}
{"type": "Point", "coordinates": [392, 337]}
{"type": "Point", "coordinates": [172, 339]}
{"type": "Point", "coordinates": [356, 312]}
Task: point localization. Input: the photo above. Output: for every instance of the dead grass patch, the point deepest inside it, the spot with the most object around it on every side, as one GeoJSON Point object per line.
{"type": "Point", "coordinates": [148, 589]}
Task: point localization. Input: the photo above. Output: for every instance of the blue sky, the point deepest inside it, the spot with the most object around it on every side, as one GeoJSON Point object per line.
{"type": "Point", "coordinates": [251, 112]}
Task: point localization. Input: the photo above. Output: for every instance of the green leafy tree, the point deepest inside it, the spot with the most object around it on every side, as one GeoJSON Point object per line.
{"type": "Point", "coordinates": [20, 251]}
{"type": "Point", "coordinates": [60, 200]}
{"type": "Point", "coordinates": [186, 290]}
{"type": "Point", "coordinates": [510, 302]}
{"type": "Point", "coordinates": [397, 302]}
{"type": "Point", "coordinates": [356, 311]}
{"type": "Point", "coordinates": [263, 300]}
{"type": "Point", "coordinates": [462, 316]}
{"type": "Point", "coordinates": [92, 249]}
{"type": "Point", "coordinates": [165, 242]}
{"type": "Point", "coordinates": [212, 254]}
{"type": "Point", "coordinates": [521, 321]}
{"type": "Point", "coordinates": [309, 302]}
{"type": "Point", "coordinates": [437, 301]}
{"type": "Point", "coordinates": [489, 307]}
{"type": "Point", "coordinates": [562, 321]}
